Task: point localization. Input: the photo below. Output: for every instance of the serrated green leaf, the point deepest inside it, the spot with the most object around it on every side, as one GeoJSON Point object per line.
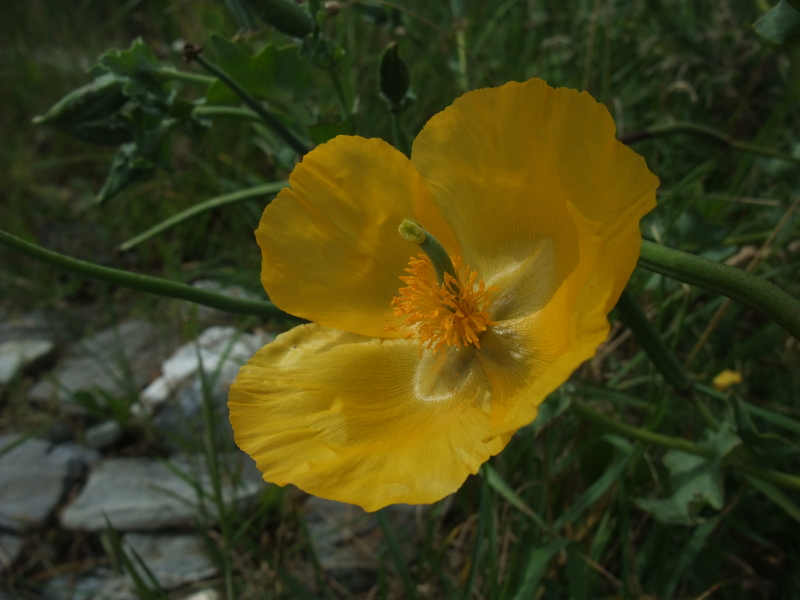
{"type": "Point", "coordinates": [275, 74]}
{"type": "Point", "coordinates": [91, 102]}
{"type": "Point", "coordinates": [696, 481]}
{"type": "Point", "coordinates": [108, 132]}
{"type": "Point", "coordinates": [722, 441]}
{"type": "Point", "coordinates": [137, 66]}
{"type": "Point", "coordinates": [127, 169]}
{"type": "Point", "coordinates": [781, 25]}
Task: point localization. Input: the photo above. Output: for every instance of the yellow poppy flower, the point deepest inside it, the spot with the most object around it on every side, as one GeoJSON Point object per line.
{"type": "Point", "coordinates": [410, 377]}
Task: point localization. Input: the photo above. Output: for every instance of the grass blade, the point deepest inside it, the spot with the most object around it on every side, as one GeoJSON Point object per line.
{"type": "Point", "coordinates": [536, 568]}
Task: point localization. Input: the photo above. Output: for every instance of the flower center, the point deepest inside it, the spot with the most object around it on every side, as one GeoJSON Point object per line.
{"type": "Point", "coordinates": [444, 313]}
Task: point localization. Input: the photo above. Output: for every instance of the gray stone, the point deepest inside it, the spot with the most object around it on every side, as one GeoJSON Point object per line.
{"type": "Point", "coordinates": [348, 541]}
{"type": "Point", "coordinates": [75, 455]}
{"type": "Point", "coordinates": [203, 595]}
{"type": "Point", "coordinates": [103, 434]}
{"type": "Point", "coordinates": [219, 349]}
{"type": "Point", "coordinates": [16, 355]}
{"type": "Point", "coordinates": [117, 361]}
{"type": "Point", "coordinates": [100, 584]}
{"type": "Point", "coordinates": [33, 478]}
{"type": "Point", "coordinates": [177, 396]}
{"type": "Point", "coordinates": [173, 559]}
{"type": "Point", "coordinates": [33, 326]}
{"type": "Point", "coordinates": [144, 494]}
{"type": "Point", "coordinates": [10, 547]}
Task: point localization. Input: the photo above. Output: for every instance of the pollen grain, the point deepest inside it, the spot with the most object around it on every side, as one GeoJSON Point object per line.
{"type": "Point", "coordinates": [450, 313]}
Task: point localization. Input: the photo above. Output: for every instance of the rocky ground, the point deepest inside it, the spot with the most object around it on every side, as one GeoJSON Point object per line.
{"type": "Point", "coordinates": [92, 473]}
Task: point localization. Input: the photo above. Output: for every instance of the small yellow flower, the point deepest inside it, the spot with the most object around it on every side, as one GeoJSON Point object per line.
{"type": "Point", "coordinates": [725, 379]}
{"type": "Point", "coordinates": [412, 374]}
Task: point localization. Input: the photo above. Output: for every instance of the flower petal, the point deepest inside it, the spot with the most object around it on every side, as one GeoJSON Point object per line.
{"type": "Point", "coordinates": [528, 358]}
{"type": "Point", "coordinates": [502, 164]}
{"type": "Point", "coordinates": [364, 420]}
{"type": "Point", "coordinates": [330, 248]}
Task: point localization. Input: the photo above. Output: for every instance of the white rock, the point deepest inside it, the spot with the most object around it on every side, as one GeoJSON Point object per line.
{"type": "Point", "coordinates": [203, 595]}
{"type": "Point", "coordinates": [17, 354]}
{"type": "Point", "coordinates": [216, 348]}
{"type": "Point", "coordinates": [116, 361]}
{"type": "Point", "coordinates": [103, 434]}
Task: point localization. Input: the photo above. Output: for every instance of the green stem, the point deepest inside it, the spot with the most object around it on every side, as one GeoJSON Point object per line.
{"type": "Point", "coordinates": [266, 116]}
{"type": "Point", "coordinates": [143, 283]}
{"type": "Point", "coordinates": [643, 435]}
{"type": "Point", "coordinates": [185, 76]}
{"type": "Point", "coordinates": [650, 437]}
{"type": "Point", "coordinates": [651, 343]}
{"type": "Point", "coordinates": [726, 280]}
{"type": "Point", "coordinates": [776, 477]}
{"type": "Point", "coordinates": [412, 231]}
{"type": "Point", "coordinates": [216, 202]}
{"type": "Point", "coordinates": [708, 133]}
{"type": "Point", "coordinates": [237, 112]}
{"type": "Point", "coordinates": [397, 139]}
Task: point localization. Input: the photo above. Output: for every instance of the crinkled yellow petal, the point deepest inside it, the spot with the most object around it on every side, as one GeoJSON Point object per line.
{"type": "Point", "coordinates": [364, 420]}
{"type": "Point", "coordinates": [542, 350]}
{"type": "Point", "coordinates": [330, 248]}
{"type": "Point", "coordinates": [502, 164]}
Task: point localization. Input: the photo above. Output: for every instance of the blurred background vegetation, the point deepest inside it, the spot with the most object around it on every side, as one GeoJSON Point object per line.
{"type": "Point", "coordinates": [653, 63]}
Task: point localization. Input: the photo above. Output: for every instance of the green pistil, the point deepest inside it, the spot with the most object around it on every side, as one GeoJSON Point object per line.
{"type": "Point", "coordinates": [414, 232]}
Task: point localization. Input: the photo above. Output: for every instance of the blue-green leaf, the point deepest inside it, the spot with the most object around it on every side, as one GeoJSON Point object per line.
{"type": "Point", "coordinates": [696, 482]}
{"type": "Point", "coordinates": [275, 74]}
{"type": "Point", "coordinates": [781, 25]}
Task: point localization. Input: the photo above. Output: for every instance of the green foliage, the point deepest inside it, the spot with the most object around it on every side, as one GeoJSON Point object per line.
{"type": "Point", "coordinates": [781, 25]}
{"type": "Point", "coordinates": [568, 509]}
{"type": "Point", "coordinates": [274, 74]}
{"type": "Point", "coordinates": [695, 481]}
{"type": "Point", "coordinates": [130, 103]}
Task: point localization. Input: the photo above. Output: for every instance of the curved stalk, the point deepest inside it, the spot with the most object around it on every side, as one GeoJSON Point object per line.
{"type": "Point", "coordinates": [237, 112]}
{"type": "Point", "coordinates": [143, 283]}
{"type": "Point", "coordinates": [726, 280]}
{"type": "Point", "coordinates": [216, 202]}
{"type": "Point", "coordinates": [271, 120]}
{"type": "Point", "coordinates": [184, 76]}
{"type": "Point", "coordinates": [650, 437]}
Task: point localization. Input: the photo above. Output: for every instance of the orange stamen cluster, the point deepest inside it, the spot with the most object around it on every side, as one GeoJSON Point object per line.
{"type": "Point", "coordinates": [451, 313]}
